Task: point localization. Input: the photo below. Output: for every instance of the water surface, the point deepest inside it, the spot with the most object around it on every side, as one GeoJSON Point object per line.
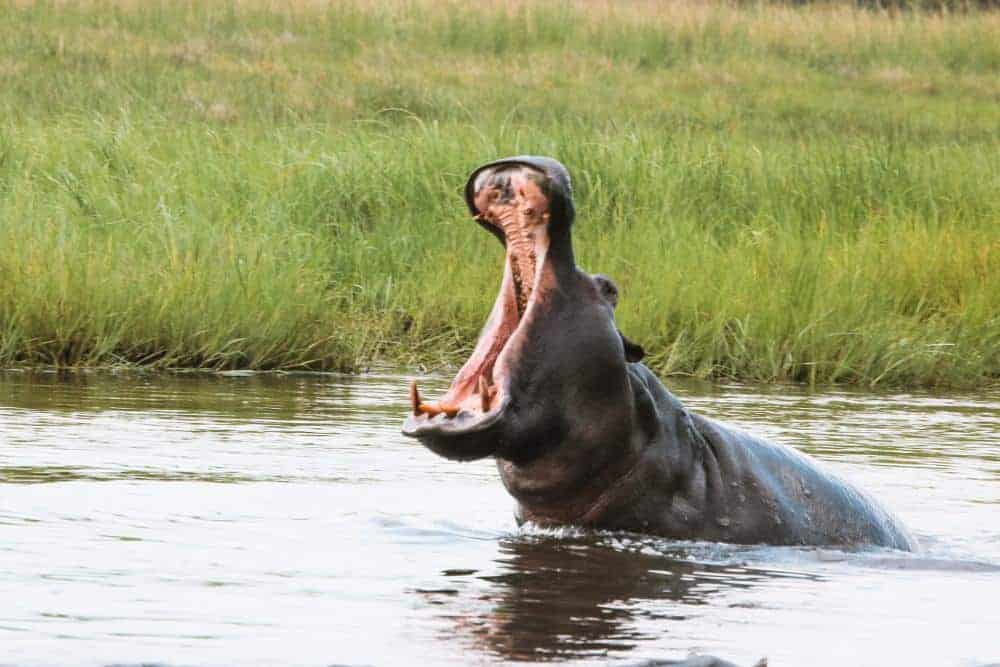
{"type": "Point", "coordinates": [264, 519]}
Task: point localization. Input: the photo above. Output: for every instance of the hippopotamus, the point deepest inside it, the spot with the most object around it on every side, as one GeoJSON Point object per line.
{"type": "Point", "coordinates": [583, 433]}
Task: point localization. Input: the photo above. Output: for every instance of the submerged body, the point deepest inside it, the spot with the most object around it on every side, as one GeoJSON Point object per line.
{"type": "Point", "coordinates": [700, 479]}
{"type": "Point", "coordinates": [584, 434]}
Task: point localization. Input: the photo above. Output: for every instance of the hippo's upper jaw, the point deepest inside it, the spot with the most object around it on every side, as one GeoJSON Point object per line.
{"type": "Point", "coordinates": [522, 201]}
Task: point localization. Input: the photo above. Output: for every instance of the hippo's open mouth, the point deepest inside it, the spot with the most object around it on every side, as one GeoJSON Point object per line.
{"type": "Point", "coordinates": [511, 201]}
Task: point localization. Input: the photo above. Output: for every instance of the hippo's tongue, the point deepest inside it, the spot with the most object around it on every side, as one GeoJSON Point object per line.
{"type": "Point", "coordinates": [510, 201]}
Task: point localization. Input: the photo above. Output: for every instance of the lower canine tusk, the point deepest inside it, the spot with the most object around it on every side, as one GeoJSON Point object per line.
{"type": "Point", "coordinates": [414, 397]}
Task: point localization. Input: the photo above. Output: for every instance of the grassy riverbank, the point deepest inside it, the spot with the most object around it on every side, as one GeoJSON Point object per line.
{"type": "Point", "coordinates": [781, 193]}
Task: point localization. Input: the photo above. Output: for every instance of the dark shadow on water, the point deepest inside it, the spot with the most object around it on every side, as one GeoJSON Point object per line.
{"type": "Point", "coordinates": [572, 598]}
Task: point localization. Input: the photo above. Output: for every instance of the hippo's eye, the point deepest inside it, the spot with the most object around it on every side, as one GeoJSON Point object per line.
{"type": "Point", "coordinates": [529, 211]}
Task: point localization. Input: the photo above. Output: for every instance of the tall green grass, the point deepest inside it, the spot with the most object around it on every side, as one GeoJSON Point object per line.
{"type": "Point", "coordinates": [782, 193]}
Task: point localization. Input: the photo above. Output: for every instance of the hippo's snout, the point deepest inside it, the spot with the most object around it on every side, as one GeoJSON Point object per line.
{"type": "Point", "coordinates": [513, 200]}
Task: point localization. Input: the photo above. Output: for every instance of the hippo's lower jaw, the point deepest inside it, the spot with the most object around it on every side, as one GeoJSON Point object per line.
{"type": "Point", "coordinates": [464, 436]}
{"type": "Point", "coordinates": [464, 423]}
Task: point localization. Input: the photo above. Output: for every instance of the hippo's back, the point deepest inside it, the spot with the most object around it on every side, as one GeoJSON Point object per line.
{"type": "Point", "coordinates": [783, 496]}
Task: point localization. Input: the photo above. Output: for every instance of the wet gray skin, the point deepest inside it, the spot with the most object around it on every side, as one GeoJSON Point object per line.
{"type": "Point", "coordinates": [583, 435]}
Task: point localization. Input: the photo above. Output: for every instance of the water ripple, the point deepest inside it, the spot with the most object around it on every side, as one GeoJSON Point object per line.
{"type": "Point", "coordinates": [273, 519]}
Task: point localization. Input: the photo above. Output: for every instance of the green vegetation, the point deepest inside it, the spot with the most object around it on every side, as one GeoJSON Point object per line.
{"type": "Point", "coordinates": [807, 193]}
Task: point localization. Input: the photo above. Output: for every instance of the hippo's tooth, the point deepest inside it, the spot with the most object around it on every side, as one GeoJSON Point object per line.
{"type": "Point", "coordinates": [484, 393]}
{"type": "Point", "coordinates": [415, 397]}
{"type": "Point", "coordinates": [431, 409]}
{"type": "Point", "coordinates": [435, 409]}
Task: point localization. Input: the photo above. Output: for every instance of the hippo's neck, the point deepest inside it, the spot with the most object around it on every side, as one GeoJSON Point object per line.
{"type": "Point", "coordinates": [552, 490]}
{"type": "Point", "coordinates": [567, 500]}
{"type": "Point", "coordinates": [655, 474]}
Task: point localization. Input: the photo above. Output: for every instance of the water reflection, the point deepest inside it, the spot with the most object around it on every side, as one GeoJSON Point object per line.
{"type": "Point", "coordinates": [227, 397]}
{"type": "Point", "coordinates": [268, 519]}
{"type": "Point", "coordinates": [559, 597]}
{"type": "Point", "coordinates": [52, 474]}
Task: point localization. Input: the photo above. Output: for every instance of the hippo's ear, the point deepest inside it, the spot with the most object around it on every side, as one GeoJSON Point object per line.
{"type": "Point", "coordinates": [633, 351]}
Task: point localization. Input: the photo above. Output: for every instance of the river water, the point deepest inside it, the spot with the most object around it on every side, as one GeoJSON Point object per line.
{"type": "Point", "coordinates": [266, 519]}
